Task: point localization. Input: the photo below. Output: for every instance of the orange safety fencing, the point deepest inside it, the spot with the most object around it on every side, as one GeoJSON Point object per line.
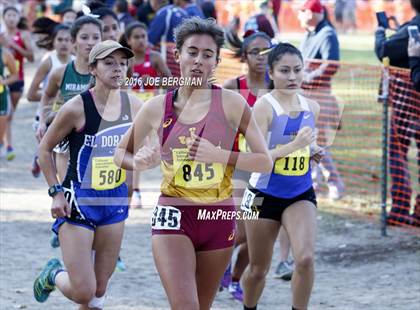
{"type": "Point", "coordinates": [350, 127]}
{"type": "Point", "coordinates": [404, 157]}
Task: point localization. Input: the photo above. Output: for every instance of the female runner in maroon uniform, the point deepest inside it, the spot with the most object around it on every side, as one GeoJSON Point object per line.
{"type": "Point", "coordinates": [197, 126]}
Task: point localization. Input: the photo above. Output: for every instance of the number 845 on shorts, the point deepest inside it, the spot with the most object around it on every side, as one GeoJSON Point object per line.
{"type": "Point", "coordinates": [166, 218]}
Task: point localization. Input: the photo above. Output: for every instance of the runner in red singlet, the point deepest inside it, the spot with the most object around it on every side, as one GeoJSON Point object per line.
{"type": "Point", "coordinates": [18, 41]}
{"type": "Point", "coordinates": [146, 63]}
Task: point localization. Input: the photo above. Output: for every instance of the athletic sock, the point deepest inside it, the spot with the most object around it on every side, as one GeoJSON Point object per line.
{"type": "Point", "coordinates": [54, 275]}
{"type": "Point", "coordinates": [250, 308]}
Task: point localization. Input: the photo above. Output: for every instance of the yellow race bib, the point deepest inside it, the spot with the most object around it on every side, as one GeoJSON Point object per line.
{"type": "Point", "coordinates": [294, 164]}
{"type": "Point", "coordinates": [193, 174]}
{"type": "Point", "coordinates": [1, 85]}
{"type": "Point", "coordinates": [105, 174]}
{"type": "Point", "coordinates": [56, 106]}
{"type": "Point", "coordinates": [243, 147]}
{"type": "Point", "coordinates": [146, 95]}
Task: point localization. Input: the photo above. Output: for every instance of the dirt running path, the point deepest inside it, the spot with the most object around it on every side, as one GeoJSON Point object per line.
{"type": "Point", "coordinates": [355, 267]}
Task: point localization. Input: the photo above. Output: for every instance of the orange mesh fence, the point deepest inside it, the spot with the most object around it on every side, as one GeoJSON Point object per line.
{"type": "Point", "coordinates": [349, 123]}
{"type": "Point", "coordinates": [404, 148]}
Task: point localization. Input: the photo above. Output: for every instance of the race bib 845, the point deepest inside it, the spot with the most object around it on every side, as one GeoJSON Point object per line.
{"type": "Point", "coordinates": [193, 174]}
{"type": "Point", "coordinates": [166, 217]}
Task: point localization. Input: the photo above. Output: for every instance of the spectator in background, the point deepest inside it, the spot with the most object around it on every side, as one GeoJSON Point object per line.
{"type": "Point", "coordinates": [163, 24]}
{"type": "Point", "coordinates": [61, 6]}
{"type": "Point", "coordinates": [414, 60]}
{"type": "Point", "coordinates": [405, 120]}
{"type": "Point", "coordinates": [109, 3]}
{"type": "Point", "coordinates": [209, 10]}
{"type": "Point", "coordinates": [261, 22]}
{"type": "Point", "coordinates": [338, 13]}
{"type": "Point", "coordinates": [349, 16]}
{"type": "Point", "coordinates": [124, 17]}
{"type": "Point", "coordinates": [96, 4]}
{"type": "Point", "coordinates": [321, 43]}
{"type": "Point", "coordinates": [147, 11]}
{"type": "Point", "coordinates": [395, 47]}
{"type": "Point", "coordinates": [276, 6]}
{"type": "Point", "coordinates": [134, 6]}
{"type": "Point", "coordinates": [190, 7]}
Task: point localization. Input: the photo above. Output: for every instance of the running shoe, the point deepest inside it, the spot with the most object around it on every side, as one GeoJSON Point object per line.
{"type": "Point", "coordinates": [10, 153]}
{"type": "Point", "coordinates": [54, 241]}
{"type": "Point", "coordinates": [120, 266]}
{"type": "Point", "coordinates": [44, 283]}
{"type": "Point", "coordinates": [236, 291]}
{"type": "Point", "coordinates": [227, 278]}
{"type": "Point", "coordinates": [284, 271]}
{"type": "Point", "coordinates": [135, 201]}
{"type": "Point", "coordinates": [35, 169]}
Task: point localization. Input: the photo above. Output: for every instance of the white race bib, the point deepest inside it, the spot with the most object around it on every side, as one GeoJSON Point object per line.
{"type": "Point", "coordinates": [166, 218]}
{"type": "Point", "coordinates": [247, 201]}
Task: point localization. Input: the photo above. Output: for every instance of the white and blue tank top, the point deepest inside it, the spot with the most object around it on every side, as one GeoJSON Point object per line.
{"type": "Point", "coordinates": [291, 175]}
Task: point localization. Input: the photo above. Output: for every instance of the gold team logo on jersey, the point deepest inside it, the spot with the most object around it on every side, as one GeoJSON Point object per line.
{"type": "Point", "coordinates": [184, 139]}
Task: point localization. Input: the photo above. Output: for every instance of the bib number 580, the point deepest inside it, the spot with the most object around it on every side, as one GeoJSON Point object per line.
{"type": "Point", "coordinates": [166, 218]}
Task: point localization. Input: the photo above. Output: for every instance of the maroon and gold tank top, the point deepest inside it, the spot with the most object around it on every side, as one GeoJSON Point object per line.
{"type": "Point", "coordinates": [189, 179]}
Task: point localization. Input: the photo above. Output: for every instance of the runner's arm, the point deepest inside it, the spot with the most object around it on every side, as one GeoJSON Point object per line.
{"type": "Point", "coordinates": [231, 84]}
{"type": "Point", "coordinates": [146, 120]}
{"type": "Point", "coordinates": [26, 51]}
{"type": "Point", "coordinates": [160, 65]}
{"type": "Point", "coordinates": [34, 92]}
{"type": "Point", "coordinates": [257, 161]}
{"type": "Point", "coordinates": [63, 124]}
{"type": "Point", "coordinates": [263, 114]}
{"type": "Point", "coordinates": [50, 93]}
{"type": "Point", "coordinates": [10, 63]}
